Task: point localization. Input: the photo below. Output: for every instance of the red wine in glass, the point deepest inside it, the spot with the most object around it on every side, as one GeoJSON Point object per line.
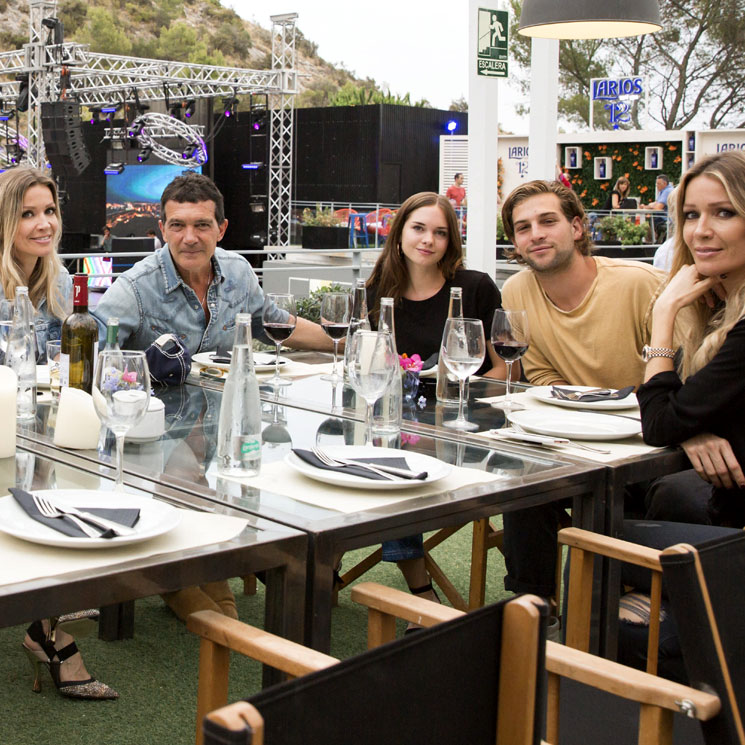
{"type": "Point", "coordinates": [335, 331]}
{"type": "Point", "coordinates": [510, 351]}
{"type": "Point", "coordinates": [279, 332]}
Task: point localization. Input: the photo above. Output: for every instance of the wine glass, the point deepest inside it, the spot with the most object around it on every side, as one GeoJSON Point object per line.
{"type": "Point", "coordinates": [463, 350]}
{"type": "Point", "coordinates": [279, 332]}
{"type": "Point", "coordinates": [336, 311]}
{"type": "Point", "coordinates": [372, 362]}
{"type": "Point", "coordinates": [511, 338]}
{"type": "Point", "coordinates": [6, 323]}
{"type": "Point", "coordinates": [121, 393]}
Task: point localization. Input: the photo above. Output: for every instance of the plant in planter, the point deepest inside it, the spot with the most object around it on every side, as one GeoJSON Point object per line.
{"type": "Point", "coordinates": [620, 229]}
{"type": "Point", "coordinates": [310, 307]}
{"type": "Point", "coordinates": [323, 229]}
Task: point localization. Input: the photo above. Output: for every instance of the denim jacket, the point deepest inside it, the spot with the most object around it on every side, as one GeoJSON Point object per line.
{"type": "Point", "coordinates": [151, 299]}
{"type": "Point", "coordinates": [47, 326]}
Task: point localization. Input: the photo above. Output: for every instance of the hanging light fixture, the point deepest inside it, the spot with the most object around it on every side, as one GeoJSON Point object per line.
{"type": "Point", "coordinates": [589, 19]}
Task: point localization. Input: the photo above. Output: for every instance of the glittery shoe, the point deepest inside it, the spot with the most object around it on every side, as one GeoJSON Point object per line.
{"type": "Point", "coordinates": [53, 658]}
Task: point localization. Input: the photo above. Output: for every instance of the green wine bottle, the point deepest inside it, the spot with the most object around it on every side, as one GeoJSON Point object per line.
{"type": "Point", "coordinates": [79, 345]}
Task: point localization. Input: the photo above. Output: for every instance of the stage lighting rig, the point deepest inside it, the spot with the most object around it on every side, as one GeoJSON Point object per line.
{"type": "Point", "coordinates": [230, 105]}
{"type": "Point", "coordinates": [114, 169]}
{"type": "Point", "coordinates": [144, 154]}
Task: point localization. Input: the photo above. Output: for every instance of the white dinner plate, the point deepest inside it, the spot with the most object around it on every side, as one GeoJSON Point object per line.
{"type": "Point", "coordinates": [156, 518]}
{"type": "Point", "coordinates": [417, 462]}
{"type": "Point", "coordinates": [543, 393]}
{"type": "Point", "coordinates": [579, 425]}
{"type": "Point", "coordinates": [263, 361]}
{"type": "Point", "coordinates": [430, 372]}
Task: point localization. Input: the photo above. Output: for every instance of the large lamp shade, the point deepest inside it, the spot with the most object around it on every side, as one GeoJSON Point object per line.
{"type": "Point", "coordinates": [589, 19]}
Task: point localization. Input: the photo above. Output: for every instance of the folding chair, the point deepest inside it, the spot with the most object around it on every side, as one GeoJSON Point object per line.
{"type": "Point", "coordinates": [476, 679]}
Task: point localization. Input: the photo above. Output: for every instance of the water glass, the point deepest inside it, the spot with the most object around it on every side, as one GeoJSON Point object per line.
{"type": "Point", "coordinates": [463, 350]}
{"type": "Point", "coordinates": [6, 322]}
{"type": "Point", "coordinates": [53, 359]}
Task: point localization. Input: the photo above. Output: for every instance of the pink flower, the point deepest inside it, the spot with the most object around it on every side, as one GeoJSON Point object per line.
{"type": "Point", "coordinates": [409, 439]}
{"type": "Point", "coordinates": [413, 363]}
{"type": "Point", "coordinates": [129, 376]}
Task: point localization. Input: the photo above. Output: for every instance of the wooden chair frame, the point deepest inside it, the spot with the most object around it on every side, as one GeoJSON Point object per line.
{"type": "Point", "coordinates": [221, 635]}
{"type": "Point", "coordinates": [658, 698]}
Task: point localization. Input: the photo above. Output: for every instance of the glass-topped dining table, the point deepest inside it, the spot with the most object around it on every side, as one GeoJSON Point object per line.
{"type": "Point", "coordinates": [488, 477]}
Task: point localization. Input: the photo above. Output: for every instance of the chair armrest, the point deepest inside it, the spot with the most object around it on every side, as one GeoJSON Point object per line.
{"type": "Point", "coordinates": [628, 683]}
{"type": "Point", "coordinates": [402, 605]}
{"type": "Point", "coordinates": [237, 716]}
{"type": "Point", "coordinates": [269, 649]}
{"type": "Point", "coordinates": [615, 548]}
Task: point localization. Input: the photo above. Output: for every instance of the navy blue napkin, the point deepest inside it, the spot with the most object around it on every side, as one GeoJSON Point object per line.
{"type": "Point", "coordinates": [308, 457]}
{"type": "Point", "coordinates": [124, 515]}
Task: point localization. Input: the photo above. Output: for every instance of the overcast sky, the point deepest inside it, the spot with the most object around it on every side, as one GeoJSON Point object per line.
{"type": "Point", "coordinates": [412, 46]}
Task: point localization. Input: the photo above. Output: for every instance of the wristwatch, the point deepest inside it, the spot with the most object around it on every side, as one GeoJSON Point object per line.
{"type": "Point", "coordinates": [649, 352]}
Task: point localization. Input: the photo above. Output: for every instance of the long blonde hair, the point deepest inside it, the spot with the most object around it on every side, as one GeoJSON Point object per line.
{"type": "Point", "coordinates": [708, 328]}
{"type": "Point", "coordinates": [43, 280]}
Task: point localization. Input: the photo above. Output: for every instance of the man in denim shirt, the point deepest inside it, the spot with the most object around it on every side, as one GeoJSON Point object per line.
{"type": "Point", "coordinates": [191, 287]}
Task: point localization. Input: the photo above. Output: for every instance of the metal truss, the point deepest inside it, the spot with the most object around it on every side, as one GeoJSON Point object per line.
{"type": "Point", "coordinates": [59, 71]}
{"type": "Point", "coordinates": [281, 105]}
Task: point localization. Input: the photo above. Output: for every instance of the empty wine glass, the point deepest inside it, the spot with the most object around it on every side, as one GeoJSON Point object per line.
{"type": "Point", "coordinates": [463, 350]}
{"type": "Point", "coordinates": [372, 362]}
{"type": "Point", "coordinates": [511, 338]}
{"type": "Point", "coordinates": [336, 311]}
{"type": "Point", "coordinates": [277, 331]}
{"type": "Point", "coordinates": [121, 393]}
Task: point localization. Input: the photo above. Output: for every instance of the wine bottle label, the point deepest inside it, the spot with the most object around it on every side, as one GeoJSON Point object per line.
{"type": "Point", "coordinates": [64, 370]}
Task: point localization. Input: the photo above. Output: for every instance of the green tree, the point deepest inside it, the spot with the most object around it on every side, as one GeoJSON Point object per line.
{"type": "Point", "coordinates": [102, 33]}
{"type": "Point", "coordinates": [459, 104]}
{"type": "Point", "coordinates": [73, 14]}
{"type": "Point", "coordinates": [232, 38]}
{"type": "Point", "coordinates": [694, 66]}
{"type": "Point", "coordinates": [177, 42]}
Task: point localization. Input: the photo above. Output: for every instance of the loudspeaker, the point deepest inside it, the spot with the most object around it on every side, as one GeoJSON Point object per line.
{"type": "Point", "coordinates": [63, 138]}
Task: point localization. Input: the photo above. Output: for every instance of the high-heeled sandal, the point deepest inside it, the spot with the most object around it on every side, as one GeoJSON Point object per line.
{"type": "Point", "coordinates": [423, 590]}
{"type": "Point", "coordinates": [53, 658]}
{"type": "Point", "coordinates": [79, 624]}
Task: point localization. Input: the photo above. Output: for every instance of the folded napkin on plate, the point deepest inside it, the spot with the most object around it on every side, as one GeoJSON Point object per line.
{"type": "Point", "coordinates": [308, 457]}
{"type": "Point", "coordinates": [124, 515]}
{"type": "Point", "coordinates": [565, 394]}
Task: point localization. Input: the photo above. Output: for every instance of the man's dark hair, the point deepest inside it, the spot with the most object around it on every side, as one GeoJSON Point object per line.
{"type": "Point", "coordinates": [456, 175]}
{"type": "Point", "coordinates": [664, 177]}
{"type": "Point", "coordinates": [193, 187]}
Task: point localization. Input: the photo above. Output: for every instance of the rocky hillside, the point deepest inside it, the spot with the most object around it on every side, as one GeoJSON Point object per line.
{"type": "Point", "coordinates": [199, 31]}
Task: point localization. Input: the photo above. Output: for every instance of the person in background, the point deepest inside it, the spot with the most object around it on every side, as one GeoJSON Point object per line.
{"type": "Point", "coordinates": [620, 197]}
{"type": "Point", "coordinates": [422, 259]}
{"type": "Point", "coordinates": [106, 239]}
{"type": "Point", "coordinates": [30, 230]}
{"type": "Point", "coordinates": [663, 256]}
{"type": "Point", "coordinates": [456, 192]}
{"type": "Point", "coordinates": [664, 189]}
{"type": "Point", "coordinates": [152, 234]}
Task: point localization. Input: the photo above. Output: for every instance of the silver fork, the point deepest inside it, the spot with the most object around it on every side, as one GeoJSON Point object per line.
{"type": "Point", "coordinates": [572, 443]}
{"type": "Point", "coordinates": [328, 460]}
{"type": "Point", "coordinates": [49, 510]}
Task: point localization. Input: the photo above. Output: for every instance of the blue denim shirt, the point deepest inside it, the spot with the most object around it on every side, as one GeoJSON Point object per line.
{"type": "Point", "coordinates": [151, 299]}
{"type": "Point", "coordinates": [47, 326]}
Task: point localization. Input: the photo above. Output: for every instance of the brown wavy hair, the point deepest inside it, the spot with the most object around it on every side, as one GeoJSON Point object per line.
{"type": "Point", "coordinates": [706, 332]}
{"type": "Point", "coordinates": [43, 280]}
{"type": "Point", "coordinates": [390, 275]}
{"type": "Point", "coordinates": [570, 206]}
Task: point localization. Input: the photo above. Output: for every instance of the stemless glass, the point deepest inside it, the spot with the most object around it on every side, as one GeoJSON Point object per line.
{"type": "Point", "coordinates": [511, 338]}
{"type": "Point", "coordinates": [280, 332]}
{"type": "Point", "coordinates": [372, 363]}
{"type": "Point", "coordinates": [463, 350]}
{"type": "Point", "coordinates": [6, 323]}
{"type": "Point", "coordinates": [121, 393]}
{"type": "Point", "coordinates": [336, 310]}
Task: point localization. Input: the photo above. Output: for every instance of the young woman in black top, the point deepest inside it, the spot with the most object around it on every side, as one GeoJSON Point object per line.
{"type": "Point", "coordinates": [422, 259]}
{"type": "Point", "coordinates": [701, 405]}
{"type": "Point", "coordinates": [619, 199]}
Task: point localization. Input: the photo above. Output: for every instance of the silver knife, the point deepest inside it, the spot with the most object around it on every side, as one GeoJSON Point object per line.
{"type": "Point", "coordinates": [99, 522]}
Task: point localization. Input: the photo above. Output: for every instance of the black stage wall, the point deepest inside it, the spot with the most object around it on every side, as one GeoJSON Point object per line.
{"type": "Point", "coordinates": [378, 153]}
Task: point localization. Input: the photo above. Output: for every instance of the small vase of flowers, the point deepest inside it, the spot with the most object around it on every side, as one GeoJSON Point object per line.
{"type": "Point", "coordinates": [411, 367]}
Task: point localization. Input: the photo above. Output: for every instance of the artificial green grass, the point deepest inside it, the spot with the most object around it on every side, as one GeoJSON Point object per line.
{"type": "Point", "coordinates": [156, 672]}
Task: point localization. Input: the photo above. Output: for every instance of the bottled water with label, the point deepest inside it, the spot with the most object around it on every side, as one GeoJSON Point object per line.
{"type": "Point", "coordinates": [387, 410]}
{"type": "Point", "coordinates": [21, 354]}
{"type": "Point", "coordinates": [448, 389]}
{"type": "Point", "coordinates": [239, 430]}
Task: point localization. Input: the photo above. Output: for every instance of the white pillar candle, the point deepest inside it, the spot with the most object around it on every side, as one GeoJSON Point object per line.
{"type": "Point", "coordinates": [8, 394]}
{"type": "Point", "coordinates": [78, 425]}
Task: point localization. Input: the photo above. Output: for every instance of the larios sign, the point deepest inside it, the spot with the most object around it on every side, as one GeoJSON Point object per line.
{"type": "Point", "coordinates": [616, 92]}
{"type": "Point", "coordinates": [609, 89]}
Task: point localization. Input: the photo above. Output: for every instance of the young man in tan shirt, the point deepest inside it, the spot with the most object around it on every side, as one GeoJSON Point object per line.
{"type": "Point", "coordinates": [589, 318]}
